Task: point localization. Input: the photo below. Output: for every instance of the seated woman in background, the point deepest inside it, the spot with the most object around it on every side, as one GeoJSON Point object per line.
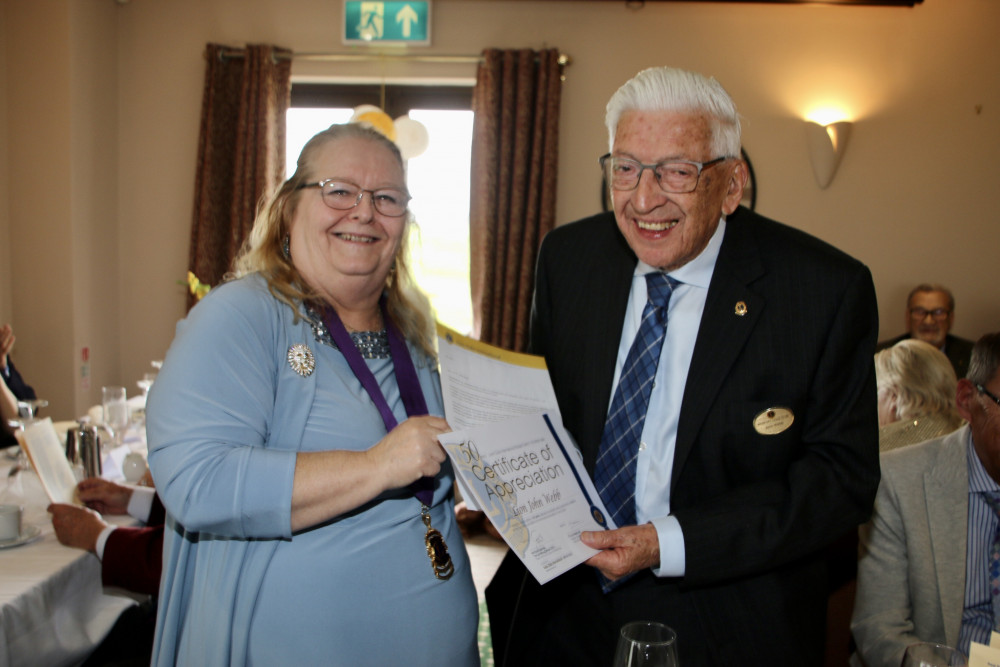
{"type": "Point", "coordinates": [916, 394]}
{"type": "Point", "coordinates": [293, 439]}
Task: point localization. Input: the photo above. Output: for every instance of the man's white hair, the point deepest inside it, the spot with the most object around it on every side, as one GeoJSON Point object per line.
{"type": "Point", "coordinates": [670, 89]}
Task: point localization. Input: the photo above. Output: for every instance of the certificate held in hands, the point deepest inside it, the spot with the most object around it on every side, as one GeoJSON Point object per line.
{"type": "Point", "coordinates": [521, 468]}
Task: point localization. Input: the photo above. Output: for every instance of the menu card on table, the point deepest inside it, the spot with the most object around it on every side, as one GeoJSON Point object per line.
{"type": "Point", "coordinates": [48, 458]}
{"type": "Point", "coordinates": [512, 456]}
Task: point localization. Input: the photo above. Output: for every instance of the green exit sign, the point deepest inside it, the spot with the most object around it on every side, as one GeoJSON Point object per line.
{"type": "Point", "coordinates": [387, 22]}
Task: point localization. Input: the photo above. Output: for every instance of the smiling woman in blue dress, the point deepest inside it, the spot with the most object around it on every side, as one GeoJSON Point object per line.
{"type": "Point", "coordinates": [293, 440]}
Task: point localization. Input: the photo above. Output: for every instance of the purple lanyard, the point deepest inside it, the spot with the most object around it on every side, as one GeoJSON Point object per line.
{"type": "Point", "coordinates": [406, 378]}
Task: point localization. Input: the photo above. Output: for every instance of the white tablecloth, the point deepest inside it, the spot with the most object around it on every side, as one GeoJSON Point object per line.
{"type": "Point", "coordinates": [53, 608]}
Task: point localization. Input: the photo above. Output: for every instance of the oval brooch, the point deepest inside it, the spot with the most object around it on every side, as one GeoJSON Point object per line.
{"type": "Point", "coordinates": [301, 359]}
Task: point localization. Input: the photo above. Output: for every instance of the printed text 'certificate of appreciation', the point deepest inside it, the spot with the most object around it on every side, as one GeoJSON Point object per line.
{"type": "Point", "coordinates": [512, 456]}
{"type": "Point", "coordinates": [526, 475]}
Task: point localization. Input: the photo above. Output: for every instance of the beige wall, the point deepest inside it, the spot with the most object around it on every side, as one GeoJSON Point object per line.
{"type": "Point", "coordinates": [98, 139]}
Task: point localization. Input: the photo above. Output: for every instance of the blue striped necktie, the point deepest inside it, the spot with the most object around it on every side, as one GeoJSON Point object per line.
{"type": "Point", "coordinates": [614, 472]}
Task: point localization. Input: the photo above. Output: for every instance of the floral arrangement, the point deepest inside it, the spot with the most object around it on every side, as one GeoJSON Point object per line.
{"type": "Point", "coordinates": [198, 288]}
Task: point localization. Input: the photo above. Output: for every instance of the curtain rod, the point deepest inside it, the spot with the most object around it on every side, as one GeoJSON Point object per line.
{"type": "Point", "coordinates": [563, 60]}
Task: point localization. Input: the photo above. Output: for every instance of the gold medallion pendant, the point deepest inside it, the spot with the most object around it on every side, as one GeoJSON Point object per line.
{"type": "Point", "coordinates": [437, 550]}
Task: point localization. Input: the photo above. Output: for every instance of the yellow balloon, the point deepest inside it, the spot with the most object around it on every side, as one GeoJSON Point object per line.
{"type": "Point", "coordinates": [381, 121]}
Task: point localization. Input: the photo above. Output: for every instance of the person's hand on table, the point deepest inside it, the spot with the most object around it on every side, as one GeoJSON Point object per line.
{"type": "Point", "coordinates": [77, 527]}
{"type": "Point", "coordinates": [623, 550]}
{"type": "Point", "coordinates": [104, 496]}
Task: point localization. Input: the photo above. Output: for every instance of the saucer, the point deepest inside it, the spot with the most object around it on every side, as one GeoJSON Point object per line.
{"type": "Point", "coordinates": [28, 534]}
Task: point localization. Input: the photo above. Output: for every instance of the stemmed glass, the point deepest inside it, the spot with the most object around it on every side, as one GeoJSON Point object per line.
{"type": "Point", "coordinates": [115, 411]}
{"type": "Point", "coordinates": [928, 654]}
{"type": "Point", "coordinates": [646, 644]}
{"type": "Point", "coordinates": [28, 408]}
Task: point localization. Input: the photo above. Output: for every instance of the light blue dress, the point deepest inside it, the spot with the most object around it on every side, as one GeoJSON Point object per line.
{"type": "Point", "coordinates": [225, 420]}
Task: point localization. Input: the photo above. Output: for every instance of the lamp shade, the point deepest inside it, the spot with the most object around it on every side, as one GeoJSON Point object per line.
{"type": "Point", "coordinates": [826, 144]}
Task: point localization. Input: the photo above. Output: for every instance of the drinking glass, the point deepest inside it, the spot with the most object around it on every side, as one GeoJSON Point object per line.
{"type": "Point", "coordinates": [146, 382]}
{"type": "Point", "coordinates": [646, 644]}
{"type": "Point", "coordinates": [115, 411]}
{"type": "Point", "coordinates": [28, 409]}
{"type": "Point", "coordinates": [928, 654]}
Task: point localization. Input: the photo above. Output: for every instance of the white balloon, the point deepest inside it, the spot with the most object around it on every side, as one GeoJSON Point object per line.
{"type": "Point", "coordinates": [411, 137]}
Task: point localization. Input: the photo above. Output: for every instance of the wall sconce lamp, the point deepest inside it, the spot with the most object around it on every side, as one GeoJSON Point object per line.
{"type": "Point", "coordinates": [826, 145]}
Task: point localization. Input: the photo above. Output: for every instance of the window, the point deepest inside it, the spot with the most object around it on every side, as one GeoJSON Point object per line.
{"type": "Point", "coordinates": [438, 179]}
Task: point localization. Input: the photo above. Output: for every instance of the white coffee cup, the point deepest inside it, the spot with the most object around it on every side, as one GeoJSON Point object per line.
{"type": "Point", "coordinates": [10, 522]}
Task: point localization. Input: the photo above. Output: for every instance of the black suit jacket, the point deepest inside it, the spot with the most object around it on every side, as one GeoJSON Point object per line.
{"type": "Point", "coordinates": [756, 510]}
{"type": "Point", "coordinates": [958, 350]}
{"type": "Point", "coordinates": [21, 389]}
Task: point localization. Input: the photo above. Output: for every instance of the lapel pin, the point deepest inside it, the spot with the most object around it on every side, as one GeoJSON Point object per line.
{"type": "Point", "coordinates": [741, 308]}
{"type": "Point", "coordinates": [301, 359]}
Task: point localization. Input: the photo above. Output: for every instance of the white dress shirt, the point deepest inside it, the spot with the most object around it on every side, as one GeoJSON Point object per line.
{"type": "Point", "coordinates": [659, 434]}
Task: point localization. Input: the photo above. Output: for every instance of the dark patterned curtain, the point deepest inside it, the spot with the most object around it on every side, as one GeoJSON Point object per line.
{"type": "Point", "coordinates": [515, 150]}
{"type": "Point", "coordinates": [241, 151]}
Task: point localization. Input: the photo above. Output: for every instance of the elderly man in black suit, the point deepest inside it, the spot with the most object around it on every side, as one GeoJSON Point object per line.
{"type": "Point", "coordinates": [750, 442]}
{"type": "Point", "coordinates": [930, 312]}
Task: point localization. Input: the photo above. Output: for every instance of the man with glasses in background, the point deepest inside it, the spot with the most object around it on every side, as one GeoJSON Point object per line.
{"type": "Point", "coordinates": [928, 559]}
{"type": "Point", "coordinates": [716, 370]}
{"type": "Point", "coordinates": [930, 312]}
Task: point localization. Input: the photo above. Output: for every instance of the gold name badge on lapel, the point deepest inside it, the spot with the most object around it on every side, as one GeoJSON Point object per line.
{"type": "Point", "coordinates": [773, 421]}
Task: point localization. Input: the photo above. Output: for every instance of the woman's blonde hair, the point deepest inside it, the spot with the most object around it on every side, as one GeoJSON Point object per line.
{"type": "Point", "coordinates": [920, 376]}
{"type": "Point", "coordinates": [262, 253]}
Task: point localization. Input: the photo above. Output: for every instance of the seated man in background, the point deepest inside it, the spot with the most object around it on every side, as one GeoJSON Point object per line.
{"type": "Point", "coordinates": [930, 312]}
{"type": "Point", "coordinates": [916, 394]}
{"type": "Point", "coordinates": [923, 569]}
{"type": "Point", "coordinates": [131, 558]}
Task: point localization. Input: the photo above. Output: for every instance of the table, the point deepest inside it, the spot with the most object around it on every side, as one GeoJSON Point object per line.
{"type": "Point", "coordinates": [53, 608]}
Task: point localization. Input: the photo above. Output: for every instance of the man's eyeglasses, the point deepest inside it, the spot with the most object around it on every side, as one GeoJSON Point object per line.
{"type": "Point", "coordinates": [937, 313]}
{"type": "Point", "coordinates": [673, 176]}
{"type": "Point", "coordinates": [986, 392]}
{"type": "Point", "coordinates": [342, 196]}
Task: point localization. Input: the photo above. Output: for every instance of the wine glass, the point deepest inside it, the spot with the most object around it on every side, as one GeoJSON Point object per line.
{"type": "Point", "coordinates": [646, 644]}
{"type": "Point", "coordinates": [28, 408]}
{"type": "Point", "coordinates": [929, 654]}
{"type": "Point", "coordinates": [115, 411]}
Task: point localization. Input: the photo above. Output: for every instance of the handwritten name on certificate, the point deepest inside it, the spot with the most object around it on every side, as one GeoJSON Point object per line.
{"type": "Point", "coordinates": [527, 475]}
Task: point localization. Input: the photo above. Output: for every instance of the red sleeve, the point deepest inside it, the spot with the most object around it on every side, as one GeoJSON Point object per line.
{"type": "Point", "coordinates": [133, 559]}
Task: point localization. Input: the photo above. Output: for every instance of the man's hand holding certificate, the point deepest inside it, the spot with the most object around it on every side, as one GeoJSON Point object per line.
{"type": "Point", "coordinates": [519, 465]}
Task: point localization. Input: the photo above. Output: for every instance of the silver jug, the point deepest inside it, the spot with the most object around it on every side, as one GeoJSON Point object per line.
{"type": "Point", "coordinates": [84, 447]}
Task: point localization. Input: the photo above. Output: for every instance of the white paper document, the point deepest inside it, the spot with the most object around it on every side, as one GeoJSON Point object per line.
{"type": "Point", "coordinates": [981, 655]}
{"type": "Point", "coordinates": [512, 456]}
{"type": "Point", "coordinates": [528, 477]}
{"type": "Point", "coordinates": [483, 384]}
{"type": "Point", "coordinates": [48, 458]}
